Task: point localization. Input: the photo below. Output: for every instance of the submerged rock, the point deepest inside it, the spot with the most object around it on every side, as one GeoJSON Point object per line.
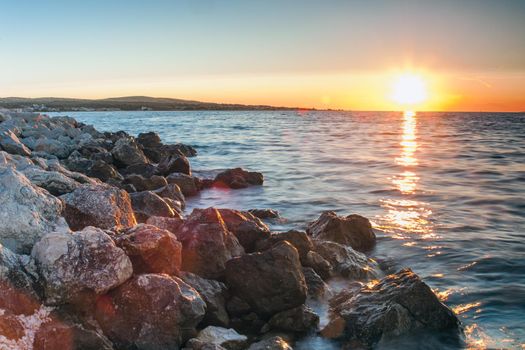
{"type": "Point", "coordinates": [27, 211]}
{"type": "Point", "coordinates": [151, 249]}
{"type": "Point", "coordinates": [270, 281]}
{"type": "Point", "coordinates": [238, 178]}
{"type": "Point", "coordinates": [247, 228]}
{"type": "Point", "coordinates": [100, 206]}
{"type": "Point", "coordinates": [76, 267]}
{"type": "Point", "coordinates": [398, 305]}
{"type": "Point", "coordinates": [207, 244]}
{"type": "Point", "coordinates": [150, 312]}
{"type": "Point", "coordinates": [353, 230]}
{"type": "Point", "coordinates": [225, 337]}
{"type": "Point", "coordinates": [214, 294]}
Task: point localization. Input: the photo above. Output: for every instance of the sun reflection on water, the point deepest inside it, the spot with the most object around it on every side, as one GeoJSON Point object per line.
{"type": "Point", "coordinates": [406, 215]}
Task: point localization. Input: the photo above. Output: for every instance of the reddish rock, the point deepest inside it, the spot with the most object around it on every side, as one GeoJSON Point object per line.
{"type": "Point", "coordinates": [238, 178]}
{"type": "Point", "coordinates": [247, 228]}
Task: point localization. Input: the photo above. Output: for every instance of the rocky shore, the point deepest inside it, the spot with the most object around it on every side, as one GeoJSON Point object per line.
{"type": "Point", "coordinates": [97, 252]}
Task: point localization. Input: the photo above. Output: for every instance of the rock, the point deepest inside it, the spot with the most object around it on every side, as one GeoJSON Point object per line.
{"type": "Point", "coordinates": [27, 213]}
{"type": "Point", "coordinates": [273, 343]}
{"type": "Point", "coordinates": [270, 281]}
{"type": "Point", "coordinates": [52, 147]}
{"type": "Point", "coordinates": [345, 261]}
{"type": "Point", "coordinates": [55, 334]}
{"type": "Point", "coordinates": [150, 312]}
{"type": "Point", "coordinates": [56, 183]}
{"type": "Point", "coordinates": [247, 228]}
{"type": "Point", "coordinates": [147, 203]}
{"type": "Point", "coordinates": [145, 170]}
{"type": "Point", "coordinates": [100, 206]}
{"type": "Point", "coordinates": [173, 192]}
{"type": "Point", "coordinates": [171, 224]}
{"type": "Point", "coordinates": [10, 143]}
{"type": "Point", "coordinates": [317, 288]}
{"type": "Point", "coordinates": [10, 327]}
{"type": "Point", "coordinates": [149, 139]}
{"type": "Point", "coordinates": [103, 171]}
{"type": "Point", "coordinates": [186, 183]}
{"type": "Point", "coordinates": [227, 338]}
{"type": "Point", "coordinates": [398, 305]}
{"type": "Point", "coordinates": [180, 148]}
{"type": "Point", "coordinates": [151, 249]}
{"type": "Point", "coordinates": [353, 230]}
{"type": "Point", "coordinates": [265, 213]}
{"type": "Point", "coordinates": [76, 267]}
{"type": "Point", "coordinates": [319, 264]}
{"type": "Point", "coordinates": [207, 244]}
{"type": "Point", "coordinates": [238, 178]}
{"type": "Point", "coordinates": [214, 294]}
{"type": "Point", "coordinates": [300, 319]}
{"type": "Point", "coordinates": [146, 184]}
{"type": "Point", "coordinates": [127, 152]}
{"type": "Point", "coordinates": [174, 164]}
{"type": "Point", "coordinates": [298, 239]}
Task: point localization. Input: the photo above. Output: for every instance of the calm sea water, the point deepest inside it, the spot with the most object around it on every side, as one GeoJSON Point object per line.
{"type": "Point", "coordinates": [445, 191]}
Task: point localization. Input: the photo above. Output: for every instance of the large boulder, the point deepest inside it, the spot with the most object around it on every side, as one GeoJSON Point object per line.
{"type": "Point", "coordinates": [353, 230]}
{"type": "Point", "coordinates": [10, 143]}
{"type": "Point", "coordinates": [298, 239]}
{"type": "Point", "coordinates": [76, 267]}
{"type": "Point", "coordinates": [399, 304]}
{"type": "Point", "coordinates": [146, 204]}
{"type": "Point", "coordinates": [100, 206]}
{"type": "Point", "coordinates": [227, 338]}
{"type": "Point", "coordinates": [174, 163]}
{"type": "Point", "coordinates": [247, 228]}
{"type": "Point", "coordinates": [28, 212]}
{"type": "Point", "coordinates": [214, 294]}
{"type": "Point", "coordinates": [171, 224]}
{"type": "Point", "coordinates": [127, 152]}
{"type": "Point", "coordinates": [151, 249]}
{"type": "Point", "coordinates": [187, 184]}
{"type": "Point", "coordinates": [270, 281]}
{"type": "Point", "coordinates": [149, 139]}
{"type": "Point", "coordinates": [238, 178]}
{"type": "Point", "coordinates": [345, 261]}
{"type": "Point", "coordinates": [150, 312]}
{"type": "Point", "coordinates": [207, 244]}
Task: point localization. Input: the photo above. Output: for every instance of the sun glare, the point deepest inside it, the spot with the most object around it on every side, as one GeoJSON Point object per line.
{"type": "Point", "coordinates": [409, 89]}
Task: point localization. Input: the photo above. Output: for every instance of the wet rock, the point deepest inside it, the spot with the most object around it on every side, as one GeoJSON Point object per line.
{"type": "Point", "coordinates": [207, 244]}
{"type": "Point", "coordinates": [146, 184]}
{"type": "Point", "coordinates": [398, 305]}
{"type": "Point", "coordinates": [318, 263]}
{"type": "Point", "coordinates": [345, 261]}
{"type": "Point", "coordinates": [171, 224]}
{"type": "Point", "coordinates": [100, 206]}
{"type": "Point", "coordinates": [298, 239]}
{"type": "Point", "coordinates": [76, 267]}
{"type": "Point", "coordinates": [127, 152]}
{"type": "Point", "coordinates": [10, 143]}
{"type": "Point", "coordinates": [149, 140]}
{"type": "Point", "coordinates": [54, 334]}
{"type": "Point", "coordinates": [353, 230]}
{"type": "Point", "coordinates": [214, 294]}
{"type": "Point", "coordinates": [150, 312]}
{"type": "Point", "coordinates": [265, 213]}
{"type": "Point", "coordinates": [317, 288]}
{"type": "Point", "coordinates": [300, 319]}
{"type": "Point", "coordinates": [146, 204]}
{"type": "Point", "coordinates": [225, 337]}
{"type": "Point", "coordinates": [273, 343]}
{"type": "Point", "coordinates": [27, 211]}
{"type": "Point", "coordinates": [174, 164]}
{"type": "Point", "coordinates": [102, 171]}
{"type": "Point", "coordinates": [186, 183]}
{"type": "Point", "coordinates": [247, 228]}
{"type": "Point", "coordinates": [238, 178]}
{"type": "Point", "coordinates": [145, 170]}
{"type": "Point", "coordinates": [151, 249]}
{"type": "Point", "coordinates": [270, 281]}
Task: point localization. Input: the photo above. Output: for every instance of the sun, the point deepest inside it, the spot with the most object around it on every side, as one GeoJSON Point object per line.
{"type": "Point", "coordinates": [409, 89]}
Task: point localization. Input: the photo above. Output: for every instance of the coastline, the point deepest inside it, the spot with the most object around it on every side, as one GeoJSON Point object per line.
{"type": "Point", "coordinates": [239, 274]}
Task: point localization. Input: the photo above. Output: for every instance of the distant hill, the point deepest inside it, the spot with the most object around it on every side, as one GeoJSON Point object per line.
{"type": "Point", "coordinates": [128, 103]}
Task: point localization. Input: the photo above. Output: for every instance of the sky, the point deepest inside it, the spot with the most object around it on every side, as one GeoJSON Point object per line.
{"type": "Point", "coordinates": [322, 54]}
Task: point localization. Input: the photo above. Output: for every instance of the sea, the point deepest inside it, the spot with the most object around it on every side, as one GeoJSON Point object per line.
{"type": "Point", "coordinates": [445, 192]}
